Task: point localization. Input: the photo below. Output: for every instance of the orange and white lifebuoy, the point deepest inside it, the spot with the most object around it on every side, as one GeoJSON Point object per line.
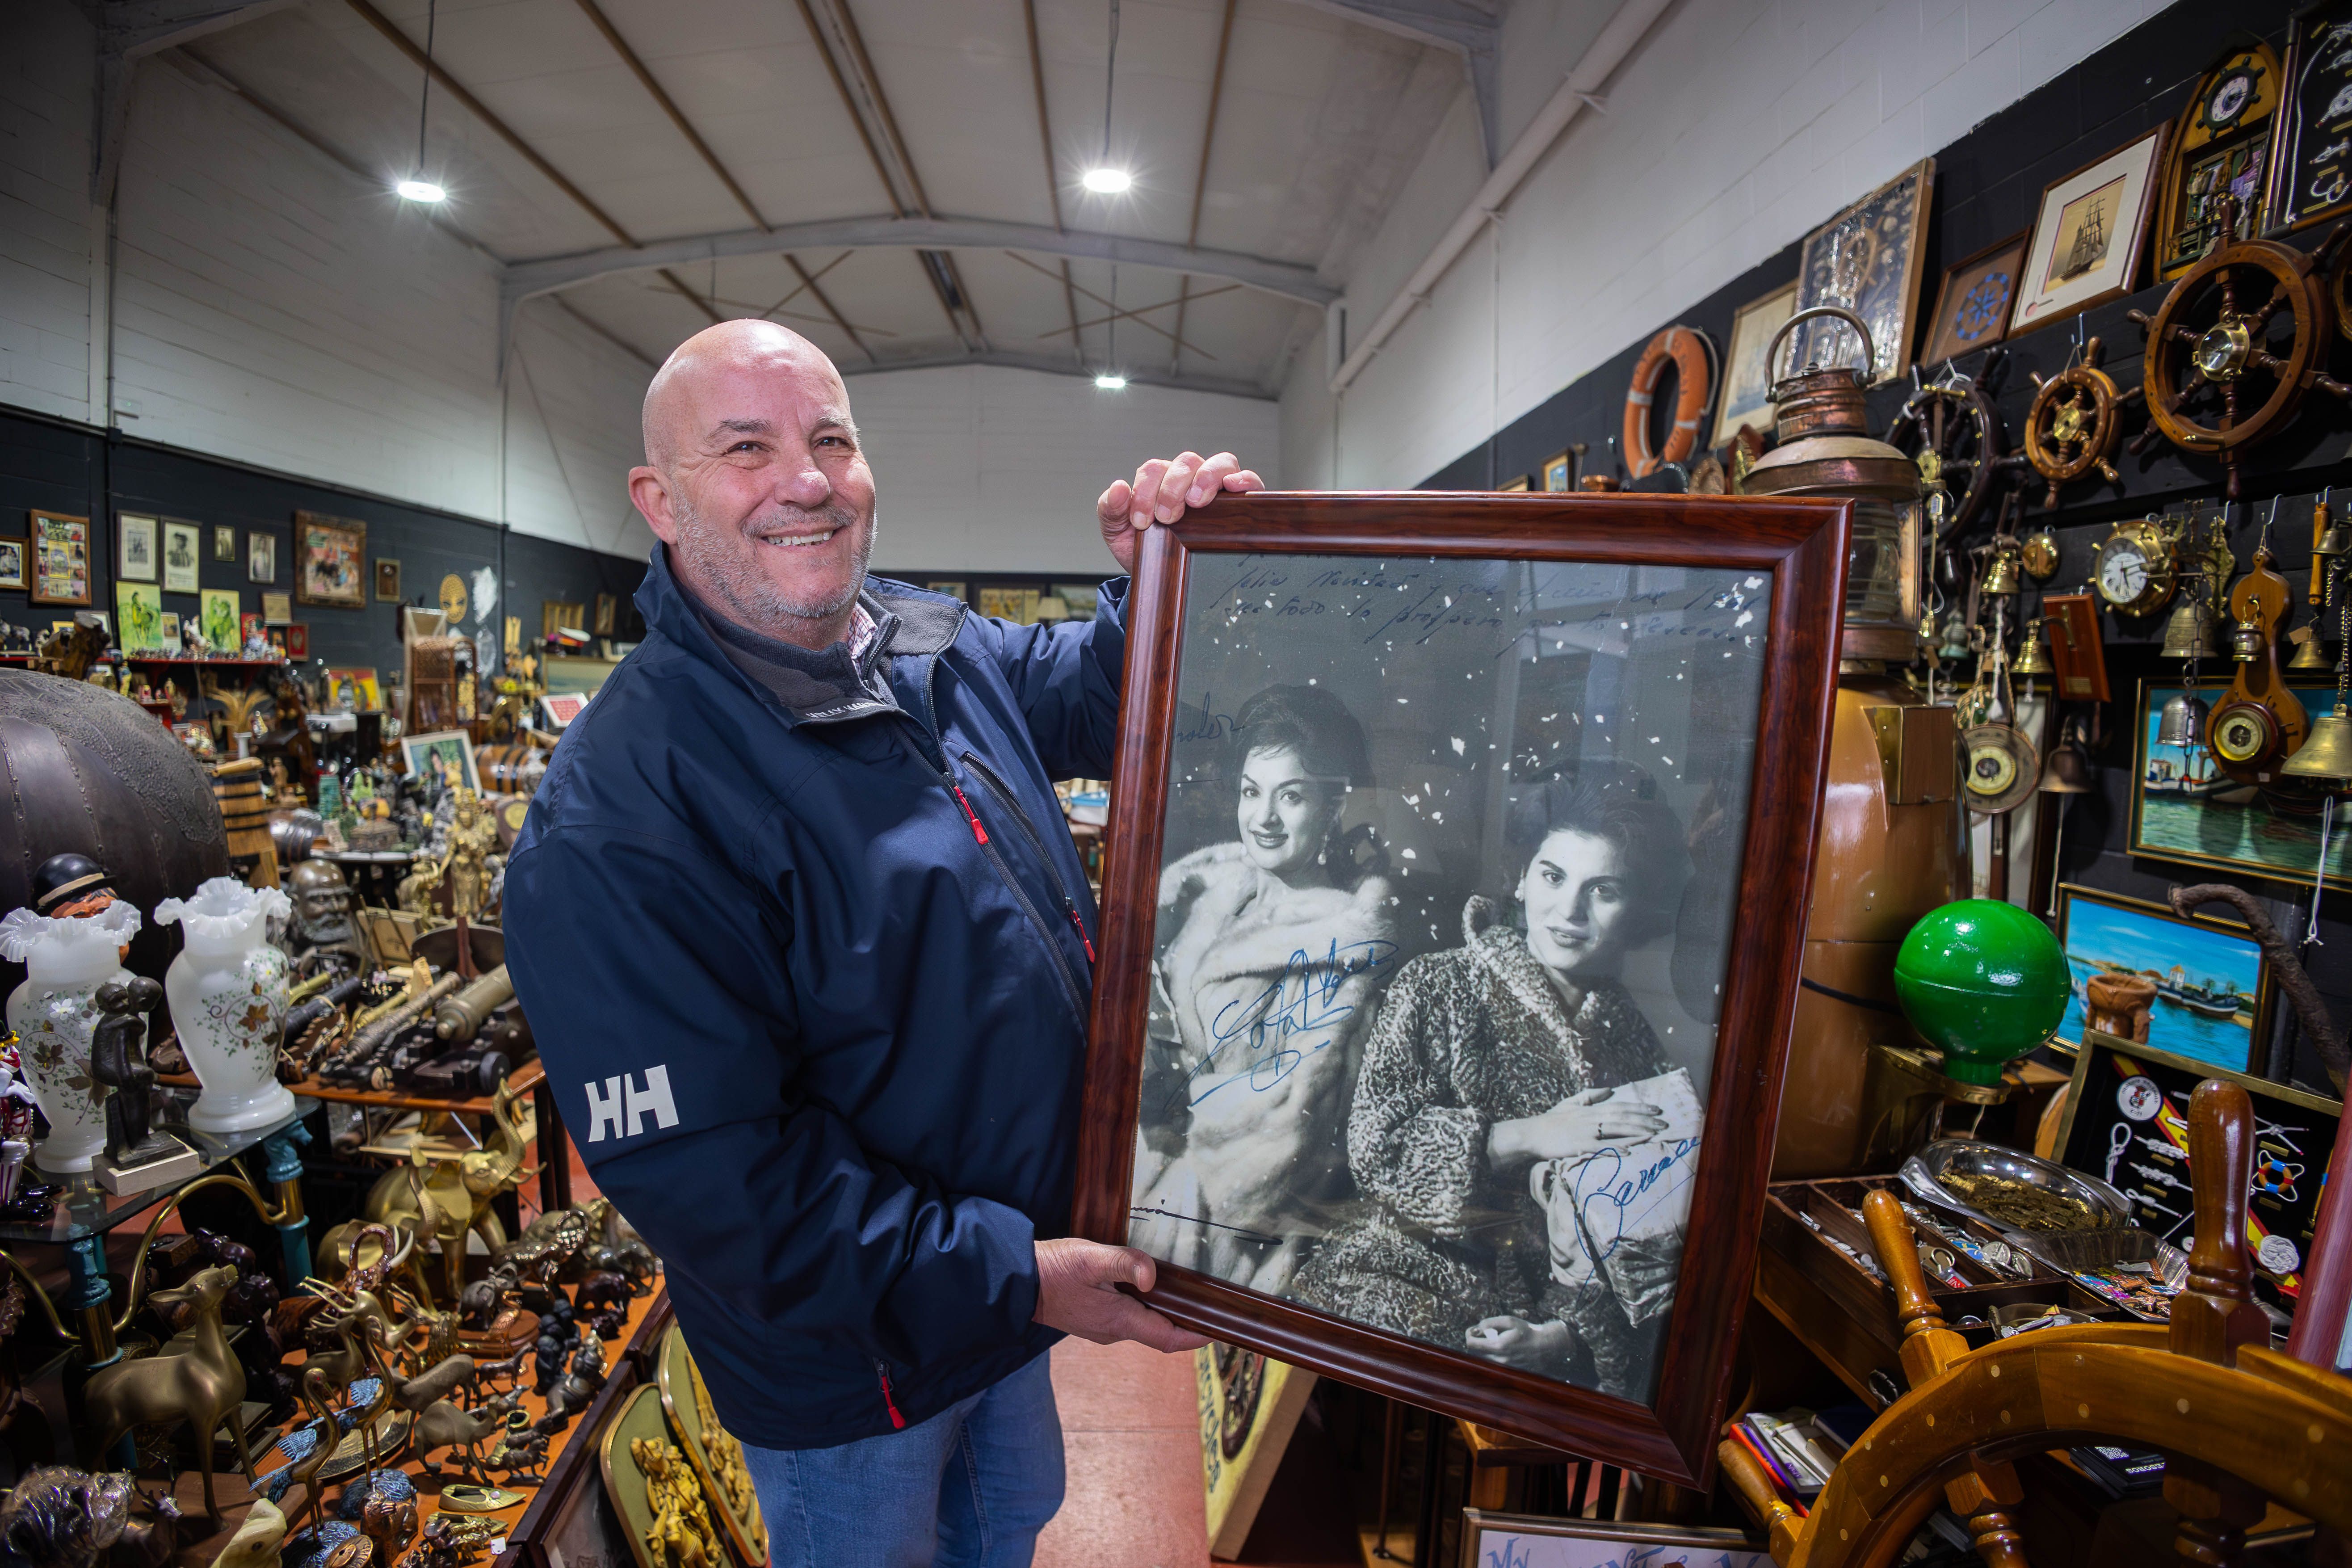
{"type": "Point", "coordinates": [1688, 349]}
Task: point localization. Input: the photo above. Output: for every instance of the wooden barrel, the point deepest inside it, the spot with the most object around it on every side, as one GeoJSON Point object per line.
{"type": "Point", "coordinates": [245, 814]}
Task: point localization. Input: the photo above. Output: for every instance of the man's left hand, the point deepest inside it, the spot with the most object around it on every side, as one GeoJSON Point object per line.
{"type": "Point", "coordinates": [1162, 490]}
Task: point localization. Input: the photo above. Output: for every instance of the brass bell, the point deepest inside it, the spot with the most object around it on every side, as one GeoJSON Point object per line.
{"type": "Point", "coordinates": [2000, 577]}
{"type": "Point", "coordinates": [2067, 770]}
{"type": "Point", "coordinates": [2033, 658]}
{"type": "Point", "coordinates": [2246, 642]}
{"type": "Point", "coordinates": [2182, 721]}
{"type": "Point", "coordinates": [2334, 543]}
{"type": "Point", "coordinates": [2309, 654]}
{"type": "Point", "coordinates": [2326, 752]}
{"type": "Point", "coordinates": [2190, 633]}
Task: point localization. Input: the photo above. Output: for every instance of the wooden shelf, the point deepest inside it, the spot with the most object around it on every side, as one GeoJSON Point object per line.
{"type": "Point", "coordinates": [209, 663]}
{"type": "Point", "coordinates": [522, 1080]}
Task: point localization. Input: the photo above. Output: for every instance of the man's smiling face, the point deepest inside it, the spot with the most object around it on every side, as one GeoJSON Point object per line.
{"type": "Point", "coordinates": [756, 482]}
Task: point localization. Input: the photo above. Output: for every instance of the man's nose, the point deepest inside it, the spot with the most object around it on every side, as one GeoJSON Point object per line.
{"type": "Point", "coordinates": [805, 483]}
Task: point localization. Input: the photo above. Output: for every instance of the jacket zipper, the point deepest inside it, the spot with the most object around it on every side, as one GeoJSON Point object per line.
{"type": "Point", "coordinates": [987, 775]}
{"type": "Point", "coordinates": [897, 1422]}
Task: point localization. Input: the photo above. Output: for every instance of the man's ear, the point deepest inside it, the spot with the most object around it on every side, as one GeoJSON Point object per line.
{"type": "Point", "coordinates": [649, 493]}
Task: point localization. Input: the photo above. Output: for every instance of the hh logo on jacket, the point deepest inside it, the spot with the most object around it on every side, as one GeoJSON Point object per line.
{"type": "Point", "coordinates": [622, 1098]}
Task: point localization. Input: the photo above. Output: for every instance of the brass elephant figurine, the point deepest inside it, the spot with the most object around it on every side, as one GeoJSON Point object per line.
{"type": "Point", "coordinates": [447, 1197]}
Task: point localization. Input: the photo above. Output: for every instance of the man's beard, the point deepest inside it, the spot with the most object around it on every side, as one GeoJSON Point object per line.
{"type": "Point", "coordinates": [747, 594]}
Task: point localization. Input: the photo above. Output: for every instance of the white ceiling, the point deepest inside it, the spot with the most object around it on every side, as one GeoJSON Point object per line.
{"type": "Point", "coordinates": [1319, 122]}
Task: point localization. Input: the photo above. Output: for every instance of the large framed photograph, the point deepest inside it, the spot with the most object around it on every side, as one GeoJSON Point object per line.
{"type": "Point", "coordinates": [62, 561]}
{"type": "Point", "coordinates": [2088, 236]}
{"type": "Point", "coordinates": [1747, 398]}
{"type": "Point", "coordinates": [2311, 154]}
{"type": "Point", "coordinates": [1422, 1055]}
{"type": "Point", "coordinates": [2185, 809]}
{"type": "Point", "coordinates": [135, 547]}
{"type": "Point", "coordinates": [1866, 260]}
{"type": "Point", "coordinates": [2196, 988]}
{"type": "Point", "coordinates": [1529, 1540]}
{"type": "Point", "coordinates": [329, 561]}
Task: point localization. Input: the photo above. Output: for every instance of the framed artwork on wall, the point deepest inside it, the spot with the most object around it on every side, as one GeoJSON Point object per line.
{"type": "Point", "coordinates": [139, 617]}
{"type": "Point", "coordinates": [954, 587]}
{"type": "Point", "coordinates": [182, 540]}
{"type": "Point", "coordinates": [2185, 810]}
{"type": "Point", "coordinates": [13, 573]}
{"type": "Point", "coordinates": [136, 547]}
{"type": "Point", "coordinates": [1867, 261]}
{"type": "Point", "coordinates": [329, 561]}
{"type": "Point", "coordinates": [2221, 147]}
{"type": "Point", "coordinates": [1368, 714]}
{"type": "Point", "coordinates": [224, 544]}
{"type": "Point", "coordinates": [60, 546]}
{"type": "Point", "coordinates": [606, 606]}
{"type": "Point", "coordinates": [2087, 235]}
{"type": "Point", "coordinates": [1747, 397]}
{"type": "Point", "coordinates": [446, 754]}
{"type": "Point", "coordinates": [220, 617]}
{"type": "Point", "coordinates": [298, 641]}
{"type": "Point", "coordinates": [1559, 472]}
{"type": "Point", "coordinates": [2196, 987]}
{"type": "Point", "coordinates": [1526, 1541]}
{"type": "Point", "coordinates": [387, 580]}
{"type": "Point", "coordinates": [172, 629]}
{"type": "Point", "coordinates": [1518, 484]}
{"type": "Point", "coordinates": [2311, 146]}
{"type": "Point", "coordinates": [277, 609]}
{"type": "Point", "coordinates": [1972, 305]}
{"type": "Point", "coordinates": [261, 557]}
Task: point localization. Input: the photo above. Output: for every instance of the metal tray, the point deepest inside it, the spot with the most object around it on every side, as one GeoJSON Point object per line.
{"type": "Point", "coordinates": [1968, 1157]}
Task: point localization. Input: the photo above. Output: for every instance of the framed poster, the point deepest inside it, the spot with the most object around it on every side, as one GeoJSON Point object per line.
{"type": "Point", "coordinates": [61, 559]}
{"type": "Point", "coordinates": [1747, 380]}
{"type": "Point", "coordinates": [1518, 484]}
{"type": "Point", "coordinates": [387, 580]}
{"type": "Point", "coordinates": [1972, 305]}
{"type": "Point", "coordinates": [182, 542]}
{"type": "Point", "coordinates": [2221, 147]}
{"type": "Point", "coordinates": [353, 689]}
{"type": "Point", "coordinates": [951, 587]}
{"type": "Point", "coordinates": [1867, 261]}
{"type": "Point", "coordinates": [277, 609]}
{"type": "Point", "coordinates": [219, 624]}
{"type": "Point", "coordinates": [261, 558]}
{"type": "Point", "coordinates": [446, 754]}
{"type": "Point", "coordinates": [139, 617]}
{"type": "Point", "coordinates": [2087, 235]}
{"type": "Point", "coordinates": [1016, 605]}
{"type": "Point", "coordinates": [2311, 152]}
{"type": "Point", "coordinates": [329, 561]}
{"type": "Point", "coordinates": [13, 571]}
{"type": "Point", "coordinates": [2185, 809]}
{"type": "Point", "coordinates": [2196, 987]}
{"type": "Point", "coordinates": [1249, 1408]}
{"type": "Point", "coordinates": [1526, 1541]}
{"type": "Point", "coordinates": [224, 544]}
{"type": "Point", "coordinates": [2127, 1121]}
{"type": "Point", "coordinates": [298, 641]}
{"type": "Point", "coordinates": [172, 630]}
{"type": "Point", "coordinates": [1559, 472]}
{"type": "Point", "coordinates": [135, 547]}
{"type": "Point", "coordinates": [1371, 835]}
{"type": "Point", "coordinates": [250, 626]}
{"type": "Point", "coordinates": [606, 605]}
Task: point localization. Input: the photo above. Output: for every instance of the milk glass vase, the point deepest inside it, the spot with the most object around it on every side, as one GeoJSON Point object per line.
{"type": "Point", "coordinates": [228, 990]}
{"type": "Point", "coordinates": [54, 1014]}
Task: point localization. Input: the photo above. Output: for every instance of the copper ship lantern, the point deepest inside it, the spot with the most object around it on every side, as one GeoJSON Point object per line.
{"type": "Point", "coordinates": [1890, 846]}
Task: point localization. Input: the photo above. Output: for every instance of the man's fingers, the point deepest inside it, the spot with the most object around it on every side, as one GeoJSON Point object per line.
{"type": "Point", "coordinates": [1212, 478]}
{"type": "Point", "coordinates": [1175, 486]}
{"type": "Point", "coordinates": [1145, 493]}
{"type": "Point", "coordinates": [1147, 1327]}
{"type": "Point", "coordinates": [1242, 480]}
{"type": "Point", "coordinates": [1116, 503]}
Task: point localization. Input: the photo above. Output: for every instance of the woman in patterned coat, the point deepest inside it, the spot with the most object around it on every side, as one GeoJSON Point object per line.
{"type": "Point", "coordinates": [1491, 1058]}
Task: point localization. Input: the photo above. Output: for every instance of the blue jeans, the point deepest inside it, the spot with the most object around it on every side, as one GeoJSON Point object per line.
{"type": "Point", "coordinates": [971, 1487]}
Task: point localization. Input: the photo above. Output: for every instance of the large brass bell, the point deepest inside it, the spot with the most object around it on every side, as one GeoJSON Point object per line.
{"type": "Point", "coordinates": [2334, 543]}
{"type": "Point", "coordinates": [2190, 633]}
{"type": "Point", "coordinates": [2000, 577]}
{"type": "Point", "coordinates": [2309, 653]}
{"type": "Point", "coordinates": [2182, 721]}
{"type": "Point", "coordinates": [2326, 752]}
{"type": "Point", "coordinates": [2033, 658]}
{"type": "Point", "coordinates": [2067, 770]}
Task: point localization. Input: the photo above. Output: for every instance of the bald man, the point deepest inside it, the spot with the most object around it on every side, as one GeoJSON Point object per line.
{"type": "Point", "coordinates": [808, 952]}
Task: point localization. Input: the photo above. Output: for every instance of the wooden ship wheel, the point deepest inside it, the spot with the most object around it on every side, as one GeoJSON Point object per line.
{"type": "Point", "coordinates": [2075, 422]}
{"type": "Point", "coordinates": [2236, 345]}
{"type": "Point", "coordinates": [2237, 1422]}
{"type": "Point", "coordinates": [1953, 432]}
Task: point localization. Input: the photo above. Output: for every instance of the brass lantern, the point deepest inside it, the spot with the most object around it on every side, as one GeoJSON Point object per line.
{"type": "Point", "coordinates": [1825, 449]}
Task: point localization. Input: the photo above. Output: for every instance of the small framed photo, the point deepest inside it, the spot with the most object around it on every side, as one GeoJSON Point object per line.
{"type": "Point", "coordinates": [250, 626]}
{"type": "Point", "coordinates": [952, 587]}
{"type": "Point", "coordinates": [1523, 1541]}
{"type": "Point", "coordinates": [1747, 397]}
{"type": "Point", "coordinates": [329, 561]}
{"type": "Point", "coordinates": [261, 557]}
{"type": "Point", "coordinates": [224, 544]}
{"type": "Point", "coordinates": [606, 606]}
{"type": "Point", "coordinates": [182, 540]}
{"type": "Point", "coordinates": [135, 547]}
{"type": "Point", "coordinates": [2088, 234]}
{"type": "Point", "coordinates": [2196, 988]}
{"type": "Point", "coordinates": [298, 640]}
{"type": "Point", "coordinates": [1972, 307]}
{"type": "Point", "coordinates": [277, 609]}
{"type": "Point", "coordinates": [387, 580]}
{"type": "Point", "coordinates": [172, 629]}
{"type": "Point", "coordinates": [1518, 484]}
{"type": "Point", "coordinates": [12, 564]}
{"type": "Point", "coordinates": [444, 754]}
{"type": "Point", "coordinates": [219, 624]}
{"type": "Point", "coordinates": [60, 546]}
{"type": "Point", "coordinates": [1868, 260]}
{"type": "Point", "coordinates": [353, 689]}
{"type": "Point", "coordinates": [1560, 473]}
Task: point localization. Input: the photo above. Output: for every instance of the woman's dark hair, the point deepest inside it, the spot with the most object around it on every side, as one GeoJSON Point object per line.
{"type": "Point", "coordinates": [1309, 720]}
{"type": "Point", "coordinates": [1619, 804]}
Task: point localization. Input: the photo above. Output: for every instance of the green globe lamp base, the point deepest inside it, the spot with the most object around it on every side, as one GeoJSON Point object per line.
{"type": "Point", "coordinates": [1984, 982]}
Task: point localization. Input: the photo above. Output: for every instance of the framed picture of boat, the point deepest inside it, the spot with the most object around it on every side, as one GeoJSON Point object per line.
{"type": "Point", "coordinates": [2185, 809]}
{"type": "Point", "coordinates": [2196, 988]}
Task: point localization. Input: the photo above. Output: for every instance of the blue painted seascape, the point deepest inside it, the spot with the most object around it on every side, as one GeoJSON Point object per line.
{"type": "Point", "coordinates": [2209, 980]}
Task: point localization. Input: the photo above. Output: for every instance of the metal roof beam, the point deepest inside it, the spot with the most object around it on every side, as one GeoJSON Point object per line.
{"type": "Point", "coordinates": [1058, 365]}
{"type": "Point", "coordinates": [1470, 30]}
{"type": "Point", "coordinates": [127, 32]}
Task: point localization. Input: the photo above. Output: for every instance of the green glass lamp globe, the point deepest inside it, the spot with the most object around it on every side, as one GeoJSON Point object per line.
{"type": "Point", "coordinates": [1982, 981]}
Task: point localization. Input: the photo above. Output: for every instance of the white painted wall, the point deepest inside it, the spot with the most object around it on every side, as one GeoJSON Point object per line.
{"type": "Point", "coordinates": [986, 469]}
{"type": "Point", "coordinates": [1736, 128]}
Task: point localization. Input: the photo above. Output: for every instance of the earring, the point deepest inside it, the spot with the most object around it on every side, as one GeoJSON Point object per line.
{"type": "Point", "coordinates": [1323, 855]}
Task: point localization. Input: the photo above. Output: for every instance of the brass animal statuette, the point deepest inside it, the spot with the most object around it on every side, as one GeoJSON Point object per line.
{"type": "Point", "coordinates": [204, 1386]}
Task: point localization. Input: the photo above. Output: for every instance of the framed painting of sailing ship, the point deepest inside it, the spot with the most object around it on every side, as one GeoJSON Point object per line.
{"type": "Point", "coordinates": [2088, 236]}
{"type": "Point", "coordinates": [1422, 1054]}
{"type": "Point", "coordinates": [2196, 988]}
{"type": "Point", "coordinates": [2186, 810]}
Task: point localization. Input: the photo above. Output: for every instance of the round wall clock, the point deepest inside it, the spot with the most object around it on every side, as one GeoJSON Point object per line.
{"type": "Point", "coordinates": [2135, 570]}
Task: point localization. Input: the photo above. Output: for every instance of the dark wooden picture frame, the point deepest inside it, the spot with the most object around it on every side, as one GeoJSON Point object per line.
{"type": "Point", "coordinates": [2304, 188]}
{"type": "Point", "coordinates": [1803, 544]}
{"type": "Point", "coordinates": [2034, 308]}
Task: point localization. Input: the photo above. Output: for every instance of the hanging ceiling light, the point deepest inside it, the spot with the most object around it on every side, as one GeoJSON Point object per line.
{"type": "Point", "coordinates": [1111, 381]}
{"type": "Point", "coordinates": [1105, 178]}
{"type": "Point", "coordinates": [1107, 181]}
{"type": "Point", "coordinates": [417, 187]}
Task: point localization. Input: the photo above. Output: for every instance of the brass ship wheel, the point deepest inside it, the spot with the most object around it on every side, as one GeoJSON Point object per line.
{"type": "Point", "coordinates": [2075, 423]}
{"type": "Point", "coordinates": [1953, 432]}
{"type": "Point", "coordinates": [2234, 347]}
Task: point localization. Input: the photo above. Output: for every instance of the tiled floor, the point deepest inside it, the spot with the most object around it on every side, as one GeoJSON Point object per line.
{"type": "Point", "coordinates": [1133, 1441]}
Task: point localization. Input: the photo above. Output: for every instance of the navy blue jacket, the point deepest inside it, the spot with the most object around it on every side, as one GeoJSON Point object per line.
{"type": "Point", "coordinates": [811, 983]}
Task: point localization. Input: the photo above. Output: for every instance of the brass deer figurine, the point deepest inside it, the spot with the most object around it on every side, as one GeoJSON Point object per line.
{"type": "Point", "coordinates": [204, 1387]}
{"type": "Point", "coordinates": [454, 1198]}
